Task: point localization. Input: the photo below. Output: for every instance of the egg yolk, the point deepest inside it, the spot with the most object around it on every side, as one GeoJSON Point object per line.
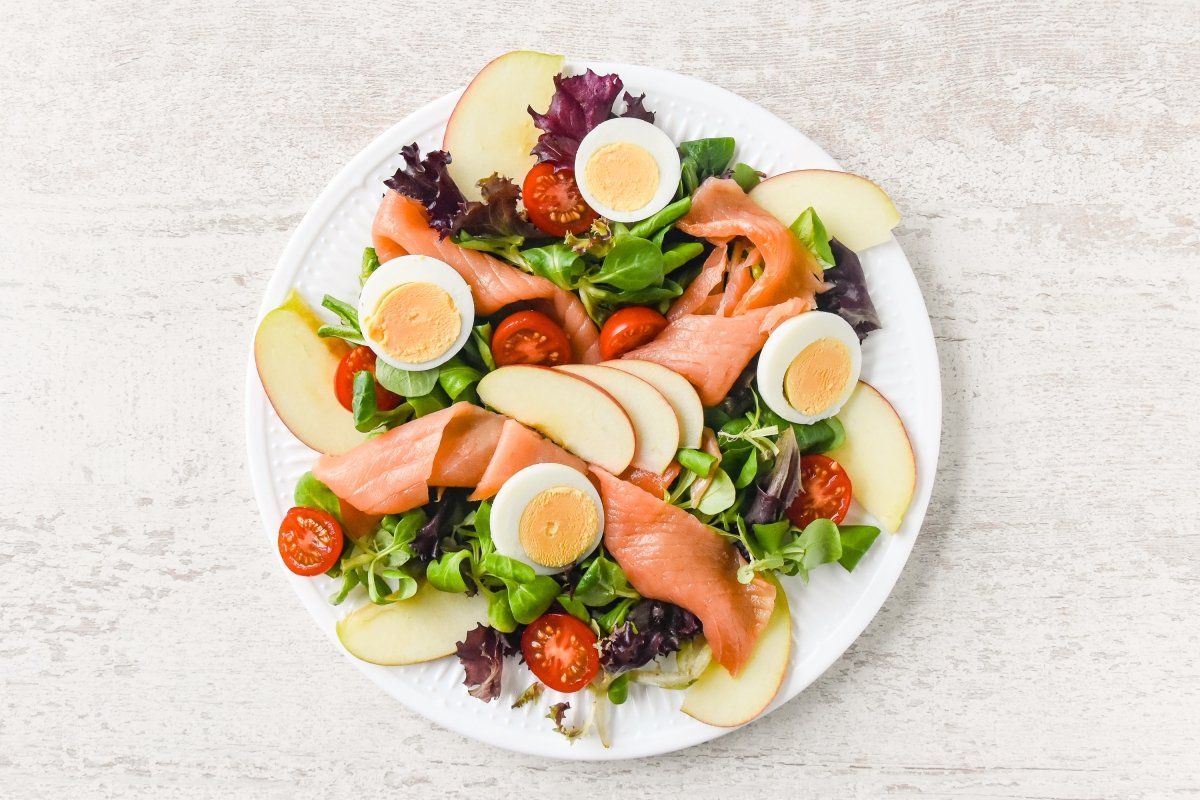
{"type": "Point", "coordinates": [622, 176]}
{"type": "Point", "coordinates": [558, 525]}
{"type": "Point", "coordinates": [817, 375]}
{"type": "Point", "coordinates": [415, 322]}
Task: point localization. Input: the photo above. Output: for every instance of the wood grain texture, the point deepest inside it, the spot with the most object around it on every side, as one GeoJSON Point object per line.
{"type": "Point", "coordinates": [1043, 641]}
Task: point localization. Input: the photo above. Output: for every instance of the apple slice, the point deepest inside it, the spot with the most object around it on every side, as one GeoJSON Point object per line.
{"type": "Point", "coordinates": [689, 412]}
{"type": "Point", "coordinates": [854, 210]}
{"type": "Point", "coordinates": [490, 130]}
{"type": "Point", "coordinates": [566, 409]}
{"type": "Point", "coordinates": [877, 455]}
{"type": "Point", "coordinates": [654, 423]}
{"type": "Point", "coordinates": [296, 368]}
{"type": "Point", "coordinates": [720, 699]}
{"type": "Point", "coordinates": [426, 626]}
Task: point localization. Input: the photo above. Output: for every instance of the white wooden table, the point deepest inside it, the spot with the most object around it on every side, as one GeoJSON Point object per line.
{"type": "Point", "coordinates": [1045, 638]}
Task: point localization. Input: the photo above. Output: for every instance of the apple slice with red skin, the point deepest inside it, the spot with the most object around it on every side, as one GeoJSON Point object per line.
{"type": "Point", "coordinates": [877, 455]}
{"type": "Point", "coordinates": [718, 698]}
{"type": "Point", "coordinates": [570, 411]}
{"type": "Point", "coordinates": [853, 209]}
{"type": "Point", "coordinates": [689, 411]}
{"type": "Point", "coordinates": [490, 130]}
{"type": "Point", "coordinates": [297, 368]}
{"type": "Point", "coordinates": [654, 422]}
{"type": "Point", "coordinates": [424, 627]}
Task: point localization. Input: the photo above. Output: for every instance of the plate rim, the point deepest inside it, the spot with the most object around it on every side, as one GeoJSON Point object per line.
{"type": "Point", "coordinates": [257, 408]}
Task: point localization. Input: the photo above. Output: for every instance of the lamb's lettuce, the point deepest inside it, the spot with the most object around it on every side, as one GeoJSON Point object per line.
{"type": "Point", "coordinates": [557, 262]}
{"type": "Point", "coordinates": [602, 582]}
{"type": "Point", "coordinates": [370, 263]}
{"type": "Point", "coordinates": [457, 379]}
{"type": "Point", "coordinates": [811, 231]}
{"type": "Point", "coordinates": [384, 562]}
{"type": "Point", "coordinates": [662, 220]}
{"type": "Point", "coordinates": [349, 329]}
{"type": "Point", "coordinates": [406, 383]}
{"type": "Point", "coordinates": [366, 413]}
{"type": "Point", "coordinates": [856, 541]}
{"type": "Point", "coordinates": [746, 176]}
{"type": "Point", "coordinates": [697, 461]}
{"type": "Point", "coordinates": [529, 594]}
{"type": "Point", "coordinates": [311, 493]}
{"type": "Point", "coordinates": [701, 159]}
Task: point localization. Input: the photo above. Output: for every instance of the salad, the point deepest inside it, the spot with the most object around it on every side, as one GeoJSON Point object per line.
{"type": "Point", "coordinates": [596, 402]}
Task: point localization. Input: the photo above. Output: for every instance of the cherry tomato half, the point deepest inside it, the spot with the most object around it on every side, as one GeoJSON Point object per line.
{"type": "Point", "coordinates": [530, 337]}
{"type": "Point", "coordinates": [825, 492]}
{"type": "Point", "coordinates": [360, 359]}
{"type": "Point", "coordinates": [561, 652]}
{"type": "Point", "coordinates": [553, 201]}
{"type": "Point", "coordinates": [310, 541]}
{"type": "Point", "coordinates": [629, 329]}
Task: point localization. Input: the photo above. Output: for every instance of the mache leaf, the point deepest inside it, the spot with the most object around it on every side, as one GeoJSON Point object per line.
{"type": "Point", "coordinates": [311, 493]}
{"type": "Point", "coordinates": [856, 541]}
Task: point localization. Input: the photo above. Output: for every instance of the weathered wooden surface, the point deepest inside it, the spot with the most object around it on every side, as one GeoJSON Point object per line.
{"type": "Point", "coordinates": [1043, 641]}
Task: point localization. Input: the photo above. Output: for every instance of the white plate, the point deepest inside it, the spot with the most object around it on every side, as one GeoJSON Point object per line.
{"type": "Point", "coordinates": [827, 614]}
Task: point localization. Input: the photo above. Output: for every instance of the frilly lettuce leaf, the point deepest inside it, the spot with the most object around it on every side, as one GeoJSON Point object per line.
{"type": "Point", "coordinates": [651, 629]}
{"type": "Point", "coordinates": [482, 655]}
{"type": "Point", "coordinates": [580, 103]}
{"type": "Point", "coordinates": [427, 180]}
{"type": "Point", "coordinates": [848, 297]}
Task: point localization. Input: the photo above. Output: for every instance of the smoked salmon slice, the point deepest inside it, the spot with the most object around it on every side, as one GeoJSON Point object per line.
{"type": "Point", "coordinates": [462, 445]}
{"type": "Point", "coordinates": [711, 275]}
{"type": "Point", "coordinates": [668, 554]}
{"type": "Point", "coordinates": [721, 210]}
{"type": "Point", "coordinates": [711, 351]}
{"type": "Point", "coordinates": [652, 482]}
{"type": "Point", "coordinates": [517, 448]}
{"type": "Point", "coordinates": [740, 280]}
{"type": "Point", "coordinates": [402, 226]}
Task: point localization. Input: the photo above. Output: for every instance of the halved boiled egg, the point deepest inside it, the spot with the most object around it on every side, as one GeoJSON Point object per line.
{"type": "Point", "coordinates": [627, 169]}
{"type": "Point", "coordinates": [548, 516]}
{"type": "Point", "coordinates": [809, 366]}
{"type": "Point", "coordinates": [416, 312]}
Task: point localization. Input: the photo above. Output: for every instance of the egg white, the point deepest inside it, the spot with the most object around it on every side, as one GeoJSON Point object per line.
{"type": "Point", "coordinates": [415, 269]}
{"type": "Point", "coordinates": [518, 491]}
{"type": "Point", "coordinates": [786, 342]}
{"type": "Point", "coordinates": [643, 134]}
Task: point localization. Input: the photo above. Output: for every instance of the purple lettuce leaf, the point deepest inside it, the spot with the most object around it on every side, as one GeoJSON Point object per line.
{"type": "Point", "coordinates": [634, 108]}
{"type": "Point", "coordinates": [427, 544]}
{"type": "Point", "coordinates": [580, 103]}
{"type": "Point", "coordinates": [558, 715]}
{"type": "Point", "coordinates": [427, 181]}
{"type": "Point", "coordinates": [848, 297]}
{"type": "Point", "coordinates": [772, 500]}
{"type": "Point", "coordinates": [482, 655]}
{"type": "Point", "coordinates": [652, 629]}
{"type": "Point", "coordinates": [498, 214]}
